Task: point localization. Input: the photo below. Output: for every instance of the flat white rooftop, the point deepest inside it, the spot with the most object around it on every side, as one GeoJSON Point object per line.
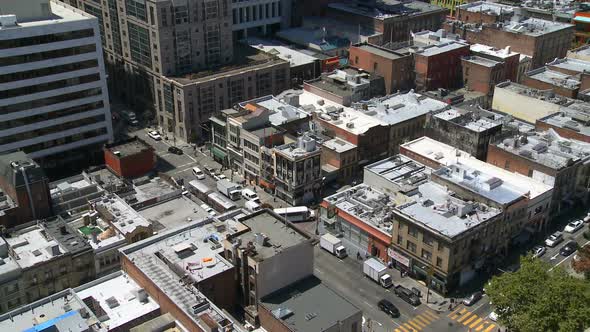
{"type": "Point", "coordinates": [283, 51]}
{"type": "Point", "coordinates": [571, 64]}
{"type": "Point", "coordinates": [61, 14]}
{"type": "Point", "coordinates": [282, 111]}
{"type": "Point", "coordinates": [489, 50]}
{"type": "Point", "coordinates": [173, 213]}
{"type": "Point", "coordinates": [33, 245]}
{"type": "Point", "coordinates": [398, 108]}
{"type": "Point", "coordinates": [447, 155]}
{"type": "Point", "coordinates": [440, 48]}
{"type": "Point", "coordinates": [126, 219]}
{"type": "Point", "coordinates": [554, 78]}
{"type": "Point", "coordinates": [489, 8]}
{"type": "Point", "coordinates": [466, 120]}
{"type": "Point", "coordinates": [120, 298]}
{"type": "Point", "coordinates": [339, 145]}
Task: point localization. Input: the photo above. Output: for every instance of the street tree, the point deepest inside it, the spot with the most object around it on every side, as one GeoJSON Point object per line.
{"type": "Point", "coordinates": [581, 263]}
{"type": "Point", "coordinates": [539, 298]}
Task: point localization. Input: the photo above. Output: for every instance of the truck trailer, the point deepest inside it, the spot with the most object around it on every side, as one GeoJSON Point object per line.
{"type": "Point", "coordinates": [333, 245]}
{"type": "Point", "coordinates": [375, 270]}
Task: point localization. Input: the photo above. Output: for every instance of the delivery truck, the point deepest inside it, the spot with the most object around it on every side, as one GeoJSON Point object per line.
{"type": "Point", "coordinates": [229, 189]}
{"type": "Point", "coordinates": [375, 270]}
{"type": "Point", "coordinates": [333, 245]}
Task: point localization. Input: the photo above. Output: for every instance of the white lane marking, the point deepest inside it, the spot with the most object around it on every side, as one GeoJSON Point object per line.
{"type": "Point", "coordinates": [563, 260]}
{"type": "Point", "coordinates": [555, 257]}
{"type": "Point", "coordinates": [186, 154]}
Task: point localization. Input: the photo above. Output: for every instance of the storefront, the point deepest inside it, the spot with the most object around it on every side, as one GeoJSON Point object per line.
{"type": "Point", "coordinates": [398, 260]}
{"type": "Point", "coordinates": [219, 155]}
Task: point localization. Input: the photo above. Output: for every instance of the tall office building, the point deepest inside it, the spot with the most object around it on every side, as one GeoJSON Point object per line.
{"type": "Point", "coordinates": [53, 95]}
{"type": "Point", "coordinates": [177, 58]}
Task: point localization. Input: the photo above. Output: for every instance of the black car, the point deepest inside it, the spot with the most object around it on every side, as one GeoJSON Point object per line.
{"type": "Point", "coordinates": [406, 295]}
{"type": "Point", "coordinates": [569, 248]}
{"type": "Point", "coordinates": [387, 307]}
{"type": "Point", "coordinates": [175, 150]}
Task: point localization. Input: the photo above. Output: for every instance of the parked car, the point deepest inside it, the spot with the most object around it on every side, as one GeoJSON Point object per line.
{"type": "Point", "coordinates": [472, 299]}
{"type": "Point", "coordinates": [209, 170]}
{"type": "Point", "coordinates": [569, 248]}
{"type": "Point", "coordinates": [554, 239]}
{"type": "Point", "coordinates": [208, 209]}
{"type": "Point", "coordinates": [587, 218]}
{"type": "Point", "coordinates": [218, 177]}
{"type": "Point", "coordinates": [387, 307]}
{"type": "Point", "coordinates": [154, 134]}
{"type": "Point", "coordinates": [538, 251]}
{"type": "Point", "coordinates": [493, 316]}
{"type": "Point", "coordinates": [175, 150]}
{"type": "Point", "coordinates": [406, 295]}
{"type": "Point", "coordinates": [198, 173]}
{"type": "Point", "coordinates": [574, 226]}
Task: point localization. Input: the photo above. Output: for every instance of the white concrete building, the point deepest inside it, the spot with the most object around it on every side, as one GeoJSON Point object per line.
{"type": "Point", "coordinates": [53, 92]}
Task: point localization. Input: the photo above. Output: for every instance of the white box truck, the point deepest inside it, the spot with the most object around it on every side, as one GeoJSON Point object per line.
{"type": "Point", "coordinates": [333, 245]}
{"type": "Point", "coordinates": [375, 270]}
{"type": "Point", "coordinates": [229, 189]}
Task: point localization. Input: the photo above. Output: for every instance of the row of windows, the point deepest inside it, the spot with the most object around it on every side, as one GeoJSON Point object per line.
{"type": "Point", "coordinates": [66, 140]}
{"type": "Point", "coordinates": [139, 43]}
{"type": "Point", "coordinates": [51, 130]}
{"type": "Point", "coordinates": [45, 39]}
{"type": "Point", "coordinates": [19, 59]}
{"type": "Point", "coordinates": [254, 13]}
{"type": "Point", "coordinates": [32, 89]}
{"type": "Point", "coordinates": [50, 115]}
{"type": "Point", "coordinates": [24, 75]}
{"type": "Point", "coordinates": [50, 100]}
{"type": "Point", "coordinates": [136, 8]}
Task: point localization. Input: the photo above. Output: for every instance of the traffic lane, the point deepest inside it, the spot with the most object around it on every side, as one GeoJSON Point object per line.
{"type": "Point", "coordinates": [347, 278]}
{"type": "Point", "coordinates": [553, 257]}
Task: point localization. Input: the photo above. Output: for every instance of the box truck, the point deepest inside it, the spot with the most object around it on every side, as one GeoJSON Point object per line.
{"type": "Point", "coordinates": [375, 270]}
{"type": "Point", "coordinates": [333, 245]}
{"type": "Point", "coordinates": [229, 189]}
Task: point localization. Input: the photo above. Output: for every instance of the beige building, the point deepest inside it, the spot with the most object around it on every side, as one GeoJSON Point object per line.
{"type": "Point", "coordinates": [524, 103]}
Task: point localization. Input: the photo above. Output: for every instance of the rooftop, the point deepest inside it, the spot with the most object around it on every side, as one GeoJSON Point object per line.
{"type": "Point", "coordinates": [535, 26]}
{"type": "Point", "coordinates": [582, 50]}
{"type": "Point", "coordinates": [575, 65]}
{"type": "Point", "coordinates": [12, 166]}
{"type": "Point", "coordinates": [193, 258]}
{"type": "Point", "coordinates": [368, 205]}
{"type": "Point", "coordinates": [570, 118]}
{"type": "Point", "coordinates": [61, 308]}
{"type": "Point", "coordinates": [117, 299]}
{"type": "Point", "coordinates": [547, 96]}
{"type": "Point", "coordinates": [70, 239]}
{"type": "Point", "coordinates": [304, 147]}
{"type": "Point", "coordinates": [71, 195]}
{"type": "Point", "coordinates": [124, 218]}
{"type": "Point", "coordinates": [246, 59]}
{"type": "Point", "coordinates": [548, 149]}
{"type": "Point", "coordinates": [165, 322]}
{"type": "Point", "coordinates": [437, 49]}
{"type": "Point", "coordinates": [440, 37]}
{"type": "Point", "coordinates": [489, 8]}
{"type": "Point", "coordinates": [282, 110]}
{"type": "Point", "coordinates": [97, 232]}
{"type": "Point", "coordinates": [446, 155]}
{"type": "Point", "coordinates": [59, 13]}
{"type": "Point", "coordinates": [402, 172]}
{"type": "Point", "coordinates": [478, 60]}
{"type": "Point", "coordinates": [173, 213]}
{"type": "Point", "coordinates": [338, 145]}
{"type": "Point", "coordinates": [316, 39]}
{"type": "Point", "coordinates": [147, 189]}
{"type": "Point", "coordinates": [269, 234]}
{"type": "Point", "coordinates": [343, 82]}
{"type": "Point", "coordinates": [385, 9]}
{"type": "Point", "coordinates": [490, 50]}
{"type": "Point", "coordinates": [128, 147]}
{"type": "Point", "coordinates": [554, 78]}
{"type": "Point", "coordinates": [9, 269]}
{"type": "Point", "coordinates": [33, 245]}
{"type": "Point", "coordinates": [266, 131]}
{"type": "Point", "coordinates": [468, 119]}
{"type": "Point", "coordinates": [441, 211]}
{"type": "Point", "coordinates": [380, 51]}
{"type": "Point", "coordinates": [397, 108]}
{"type": "Point", "coordinates": [283, 51]}
{"type": "Point", "coordinates": [308, 305]}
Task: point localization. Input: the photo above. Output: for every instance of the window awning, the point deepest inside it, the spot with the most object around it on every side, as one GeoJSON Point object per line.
{"type": "Point", "coordinates": [218, 152]}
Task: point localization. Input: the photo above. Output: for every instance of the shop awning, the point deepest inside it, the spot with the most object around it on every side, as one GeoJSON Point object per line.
{"type": "Point", "coordinates": [218, 152]}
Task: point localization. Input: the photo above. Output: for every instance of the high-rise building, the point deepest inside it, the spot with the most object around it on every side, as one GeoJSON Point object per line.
{"type": "Point", "coordinates": [53, 93]}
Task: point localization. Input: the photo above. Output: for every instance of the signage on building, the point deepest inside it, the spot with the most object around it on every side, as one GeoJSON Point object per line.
{"type": "Point", "coordinates": [398, 257]}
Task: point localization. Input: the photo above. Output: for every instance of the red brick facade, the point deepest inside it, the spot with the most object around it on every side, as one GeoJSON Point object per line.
{"type": "Point", "coordinates": [482, 78]}
{"type": "Point", "coordinates": [442, 70]}
{"type": "Point", "coordinates": [130, 165]}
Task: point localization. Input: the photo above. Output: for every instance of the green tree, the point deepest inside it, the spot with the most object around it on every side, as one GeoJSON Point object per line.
{"type": "Point", "coordinates": [536, 298]}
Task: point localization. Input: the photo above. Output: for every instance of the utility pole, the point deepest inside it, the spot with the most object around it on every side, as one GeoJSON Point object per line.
{"type": "Point", "coordinates": [429, 281]}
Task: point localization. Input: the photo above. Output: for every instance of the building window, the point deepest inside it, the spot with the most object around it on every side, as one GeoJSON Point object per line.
{"type": "Point", "coordinates": [375, 66]}
{"type": "Point", "coordinates": [356, 59]}
{"type": "Point", "coordinates": [411, 246]}
{"type": "Point", "coordinates": [139, 43]}
{"type": "Point", "coordinates": [413, 231]}
{"type": "Point", "coordinates": [426, 254]}
{"type": "Point", "coordinates": [530, 173]}
{"type": "Point", "coordinates": [439, 262]}
{"type": "Point", "coordinates": [400, 239]}
{"type": "Point", "coordinates": [427, 240]}
{"type": "Point", "coordinates": [507, 164]}
{"type": "Point", "coordinates": [136, 8]}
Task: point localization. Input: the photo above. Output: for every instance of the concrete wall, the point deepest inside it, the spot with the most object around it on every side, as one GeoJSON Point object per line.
{"type": "Point", "coordinates": [521, 107]}
{"type": "Point", "coordinates": [280, 270]}
{"type": "Point", "coordinates": [131, 166]}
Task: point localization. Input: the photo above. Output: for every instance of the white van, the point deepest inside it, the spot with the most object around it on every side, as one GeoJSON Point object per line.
{"type": "Point", "coordinates": [250, 195]}
{"type": "Point", "coordinates": [198, 173]}
{"type": "Point", "coordinates": [252, 206]}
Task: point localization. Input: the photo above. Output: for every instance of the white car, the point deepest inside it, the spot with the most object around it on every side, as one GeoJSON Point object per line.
{"type": "Point", "coordinates": [574, 226]}
{"type": "Point", "coordinates": [538, 251]}
{"type": "Point", "coordinates": [554, 239]}
{"type": "Point", "coordinates": [587, 218]}
{"type": "Point", "coordinates": [155, 135]}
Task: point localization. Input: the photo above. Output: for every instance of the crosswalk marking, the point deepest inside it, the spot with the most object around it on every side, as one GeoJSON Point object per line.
{"type": "Point", "coordinates": [424, 319]}
{"type": "Point", "coordinates": [415, 325]}
{"type": "Point", "coordinates": [475, 323]}
{"type": "Point", "coordinates": [428, 313]}
{"type": "Point", "coordinates": [409, 327]}
{"type": "Point", "coordinates": [489, 328]}
{"type": "Point", "coordinates": [457, 312]}
{"type": "Point", "coordinates": [469, 320]}
{"type": "Point", "coordinates": [402, 328]}
{"type": "Point", "coordinates": [464, 316]}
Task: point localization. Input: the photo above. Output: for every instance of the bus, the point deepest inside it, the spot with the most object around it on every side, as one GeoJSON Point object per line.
{"type": "Point", "coordinates": [296, 213]}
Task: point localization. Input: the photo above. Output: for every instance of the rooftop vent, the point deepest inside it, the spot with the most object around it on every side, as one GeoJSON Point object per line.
{"type": "Point", "coordinates": [7, 20]}
{"type": "Point", "coordinates": [282, 313]}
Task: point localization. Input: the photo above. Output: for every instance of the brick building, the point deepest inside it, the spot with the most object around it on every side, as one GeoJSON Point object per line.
{"type": "Point", "coordinates": [542, 40]}
{"type": "Point", "coordinates": [510, 59]}
{"type": "Point", "coordinates": [548, 158]}
{"type": "Point", "coordinates": [130, 158]}
{"type": "Point", "coordinates": [572, 122]}
{"type": "Point", "coordinates": [482, 74]}
{"type": "Point", "coordinates": [439, 66]}
{"type": "Point", "coordinates": [339, 158]}
{"type": "Point", "coordinates": [24, 190]}
{"type": "Point", "coordinates": [546, 79]}
{"type": "Point", "coordinates": [394, 20]}
{"type": "Point", "coordinates": [395, 68]}
{"type": "Point", "coordinates": [483, 12]}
